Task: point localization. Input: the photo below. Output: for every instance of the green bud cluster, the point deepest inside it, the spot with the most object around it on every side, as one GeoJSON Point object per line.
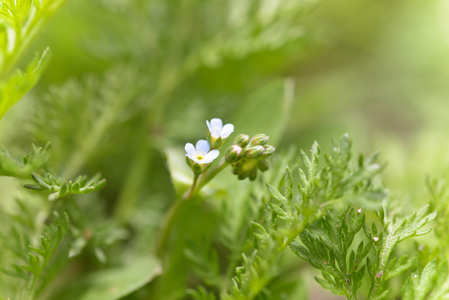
{"type": "Point", "coordinates": [247, 156]}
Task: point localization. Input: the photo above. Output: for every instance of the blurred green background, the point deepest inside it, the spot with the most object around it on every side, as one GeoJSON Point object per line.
{"type": "Point", "coordinates": [374, 69]}
{"type": "Point", "coordinates": [129, 79]}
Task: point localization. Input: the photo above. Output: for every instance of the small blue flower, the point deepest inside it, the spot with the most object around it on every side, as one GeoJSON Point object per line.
{"type": "Point", "coordinates": [217, 130]}
{"type": "Point", "coordinates": [200, 154]}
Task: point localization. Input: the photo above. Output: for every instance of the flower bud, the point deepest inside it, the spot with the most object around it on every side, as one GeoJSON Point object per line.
{"type": "Point", "coordinates": [268, 150]}
{"type": "Point", "coordinates": [259, 139]}
{"type": "Point", "coordinates": [236, 171]}
{"type": "Point", "coordinates": [254, 152]}
{"type": "Point", "coordinates": [233, 154]}
{"type": "Point", "coordinates": [242, 140]}
{"type": "Point", "coordinates": [253, 174]}
{"type": "Point", "coordinates": [243, 175]}
{"type": "Point", "coordinates": [263, 165]}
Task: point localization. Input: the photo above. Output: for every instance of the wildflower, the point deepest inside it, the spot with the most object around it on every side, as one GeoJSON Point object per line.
{"type": "Point", "coordinates": [218, 134]}
{"type": "Point", "coordinates": [199, 157]}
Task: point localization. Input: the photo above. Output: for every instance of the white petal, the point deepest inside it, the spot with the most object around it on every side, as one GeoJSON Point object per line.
{"type": "Point", "coordinates": [190, 150]}
{"type": "Point", "coordinates": [227, 130]}
{"type": "Point", "coordinates": [215, 132]}
{"type": "Point", "coordinates": [202, 147]}
{"type": "Point", "coordinates": [216, 123]}
{"type": "Point", "coordinates": [210, 156]}
{"type": "Point", "coordinates": [208, 124]}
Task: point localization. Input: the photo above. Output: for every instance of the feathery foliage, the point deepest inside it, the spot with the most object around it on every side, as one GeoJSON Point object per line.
{"type": "Point", "coordinates": [130, 82]}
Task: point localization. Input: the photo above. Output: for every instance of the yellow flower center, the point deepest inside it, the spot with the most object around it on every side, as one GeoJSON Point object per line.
{"type": "Point", "coordinates": [199, 157]}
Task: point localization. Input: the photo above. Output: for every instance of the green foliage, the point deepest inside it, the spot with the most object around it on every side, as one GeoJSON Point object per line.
{"type": "Point", "coordinates": [38, 264]}
{"type": "Point", "coordinates": [439, 195]}
{"type": "Point", "coordinates": [59, 188]}
{"type": "Point", "coordinates": [115, 282]}
{"type": "Point", "coordinates": [201, 294]}
{"type": "Point", "coordinates": [19, 83]}
{"type": "Point", "coordinates": [124, 98]}
{"type": "Point", "coordinates": [431, 283]}
{"type": "Point", "coordinates": [292, 212]}
{"type": "Point", "coordinates": [19, 23]}
{"type": "Point", "coordinates": [31, 162]}
{"type": "Point", "coordinates": [328, 242]}
{"type": "Point", "coordinates": [205, 262]}
{"type": "Point", "coordinates": [327, 211]}
{"type": "Point", "coordinates": [394, 231]}
{"type": "Point", "coordinates": [327, 248]}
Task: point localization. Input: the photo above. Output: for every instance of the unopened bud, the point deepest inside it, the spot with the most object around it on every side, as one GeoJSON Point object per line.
{"type": "Point", "coordinates": [268, 150]}
{"type": "Point", "coordinates": [236, 171]}
{"type": "Point", "coordinates": [254, 152]}
{"type": "Point", "coordinates": [242, 140]}
{"type": "Point", "coordinates": [243, 175]}
{"type": "Point", "coordinates": [263, 165]}
{"type": "Point", "coordinates": [253, 174]}
{"type": "Point", "coordinates": [233, 154]}
{"type": "Point", "coordinates": [259, 139]}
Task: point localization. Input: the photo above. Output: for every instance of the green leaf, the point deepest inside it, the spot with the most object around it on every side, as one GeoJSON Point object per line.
{"type": "Point", "coordinates": [19, 83]}
{"type": "Point", "coordinates": [266, 111]}
{"type": "Point", "coordinates": [180, 173]}
{"type": "Point", "coordinates": [114, 283]}
{"type": "Point", "coordinates": [31, 162]}
{"type": "Point", "coordinates": [60, 188]}
{"type": "Point", "coordinates": [426, 280]}
{"type": "Point", "coordinates": [276, 194]}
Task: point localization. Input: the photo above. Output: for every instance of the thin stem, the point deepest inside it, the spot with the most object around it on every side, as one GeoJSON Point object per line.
{"type": "Point", "coordinates": [212, 173]}
{"type": "Point", "coordinates": [179, 206]}
{"type": "Point", "coordinates": [191, 191]}
{"type": "Point", "coordinates": [170, 218]}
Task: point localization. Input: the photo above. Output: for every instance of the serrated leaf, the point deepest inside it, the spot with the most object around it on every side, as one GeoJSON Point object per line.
{"type": "Point", "coordinates": [396, 267]}
{"type": "Point", "coordinates": [327, 285]}
{"type": "Point", "coordinates": [288, 184]}
{"type": "Point", "coordinates": [276, 194]}
{"type": "Point", "coordinates": [383, 295]}
{"type": "Point", "coordinates": [279, 211]}
{"type": "Point", "coordinates": [305, 159]}
{"type": "Point", "coordinates": [19, 83]}
{"type": "Point", "coordinates": [426, 280]}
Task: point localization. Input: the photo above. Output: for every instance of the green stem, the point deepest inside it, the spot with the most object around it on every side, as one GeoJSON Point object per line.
{"type": "Point", "coordinates": [191, 191]}
{"type": "Point", "coordinates": [212, 173]}
{"type": "Point", "coordinates": [179, 206]}
{"type": "Point", "coordinates": [173, 213]}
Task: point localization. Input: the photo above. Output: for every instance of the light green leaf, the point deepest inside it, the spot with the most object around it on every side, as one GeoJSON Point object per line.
{"type": "Point", "coordinates": [181, 174]}
{"type": "Point", "coordinates": [426, 280]}
{"type": "Point", "coordinates": [114, 283]}
{"type": "Point", "coordinates": [20, 83]}
{"type": "Point", "coordinates": [266, 111]}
